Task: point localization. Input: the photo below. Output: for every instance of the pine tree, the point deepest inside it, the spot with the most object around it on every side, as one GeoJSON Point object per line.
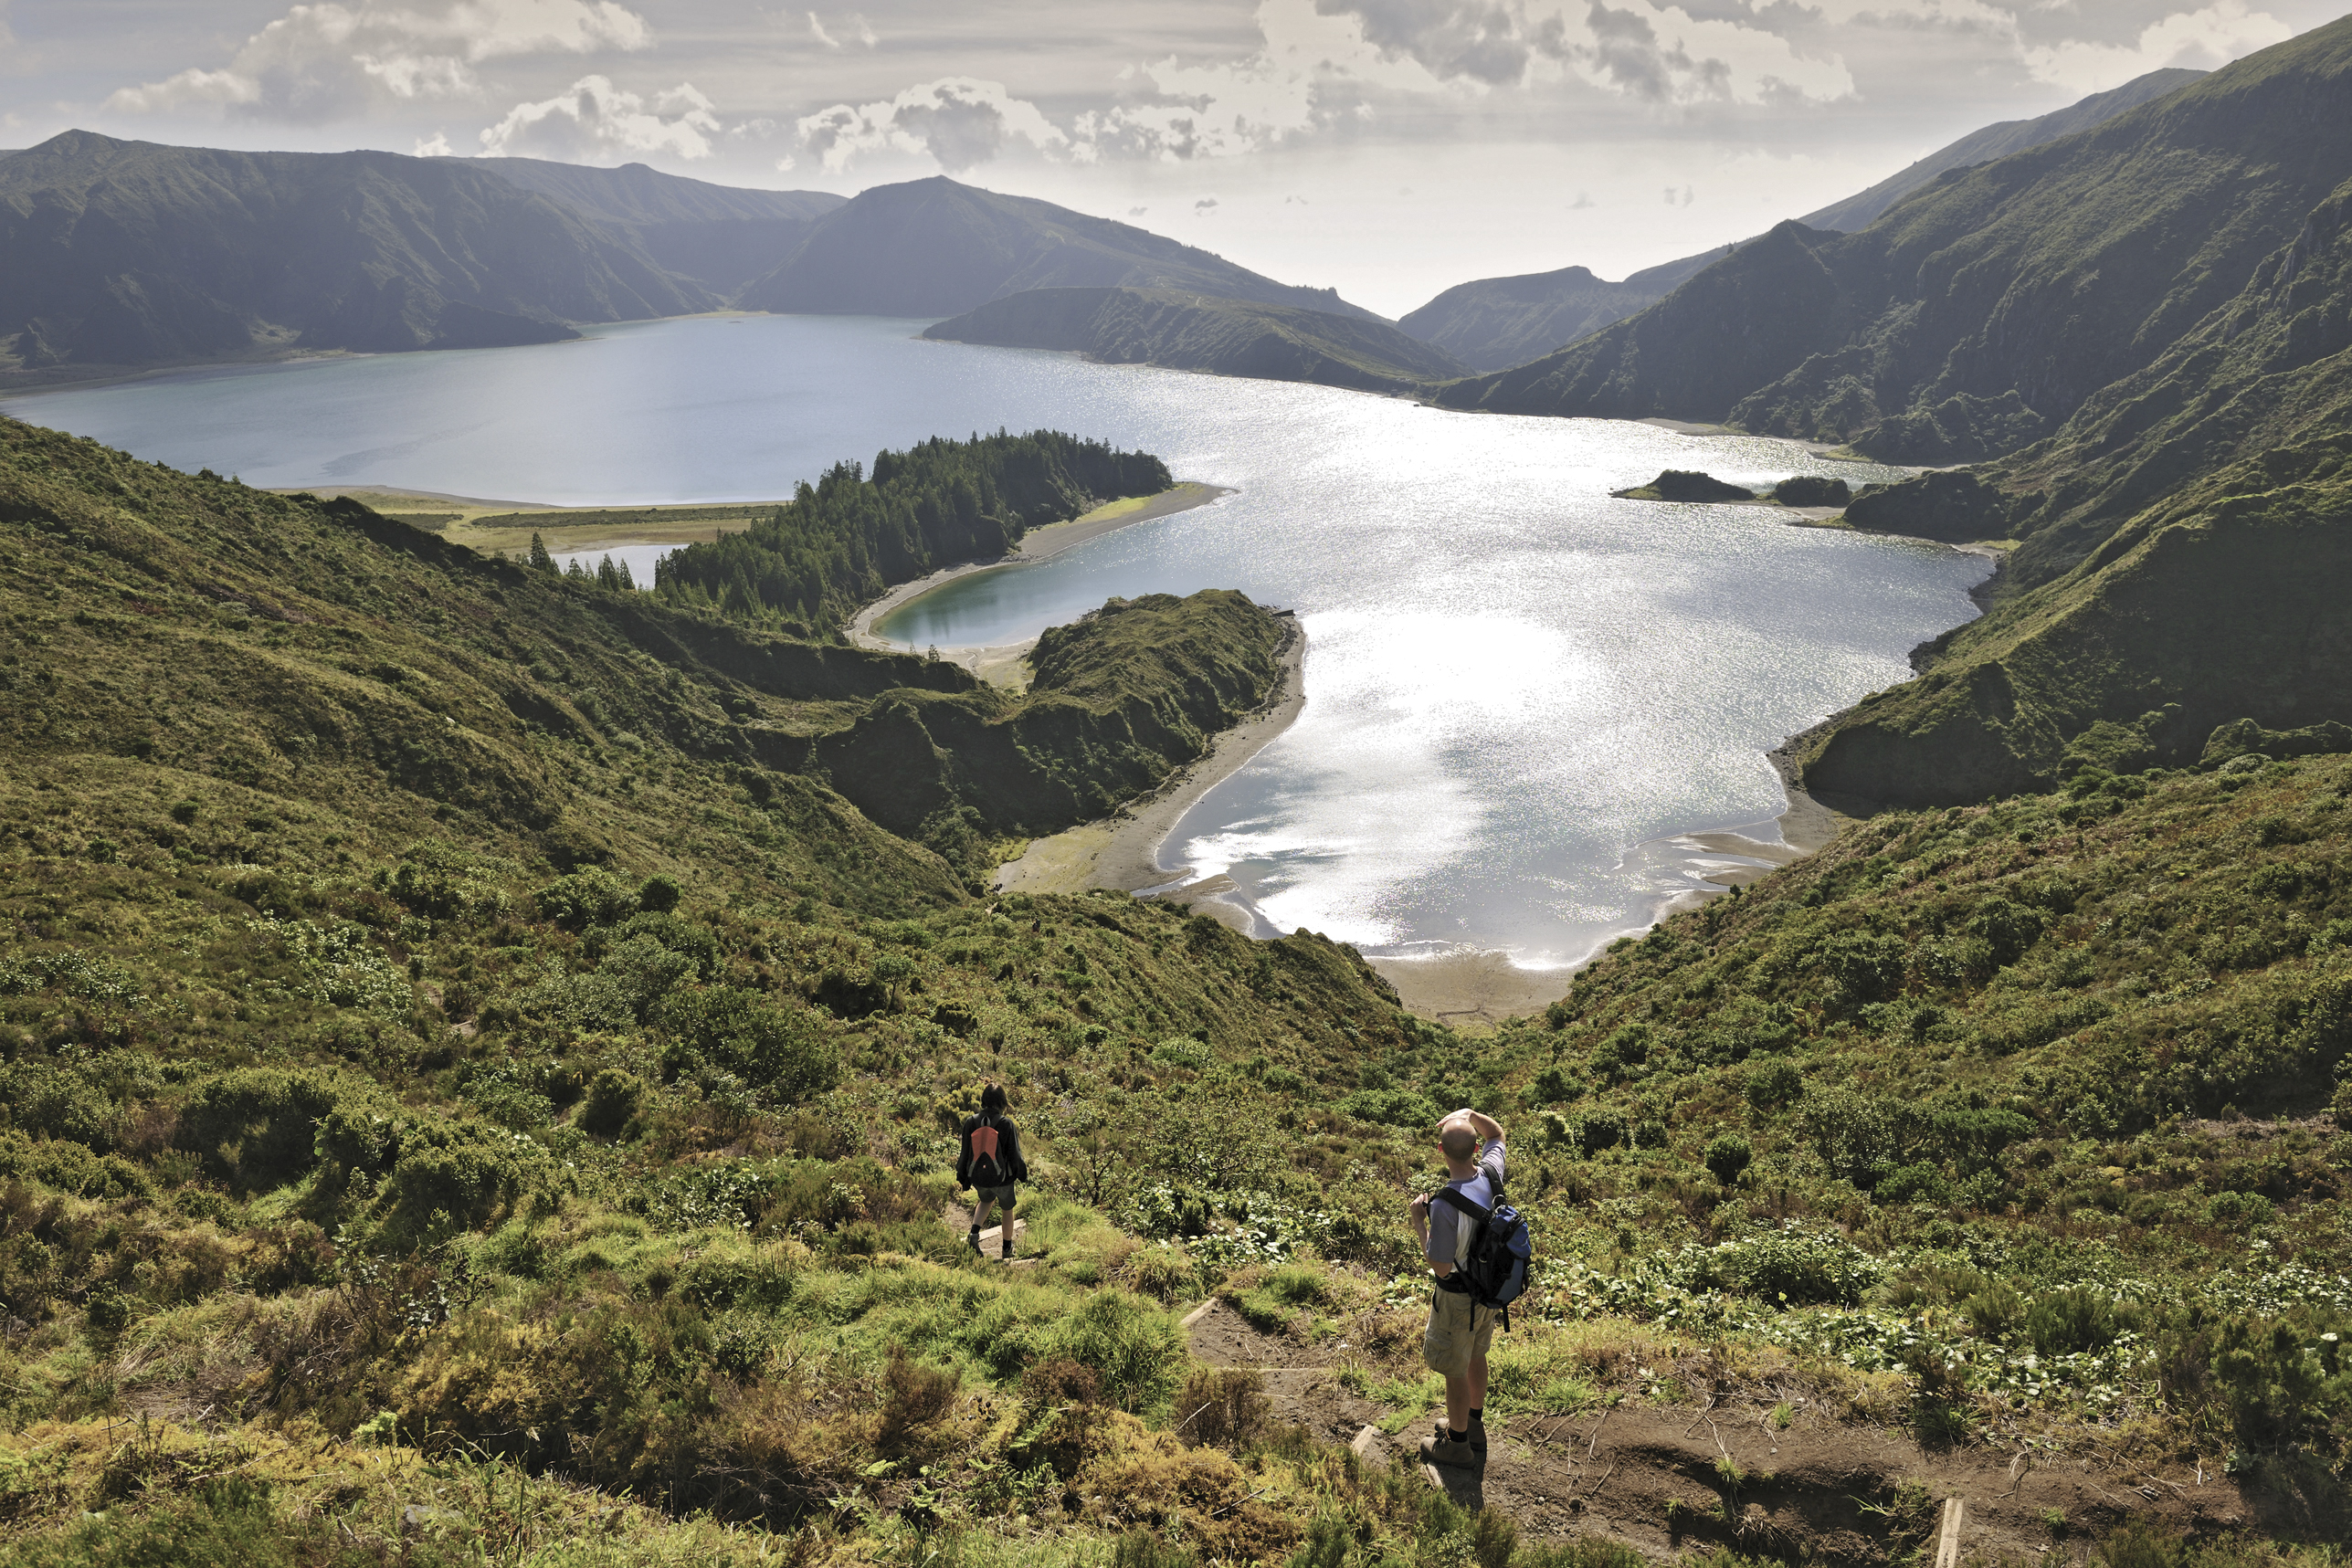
{"type": "Point", "coordinates": [540, 560]}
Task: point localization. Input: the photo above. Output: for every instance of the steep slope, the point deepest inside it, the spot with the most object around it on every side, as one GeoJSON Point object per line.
{"type": "Point", "coordinates": [1497, 323]}
{"type": "Point", "coordinates": [720, 236]}
{"type": "Point", "coordinates": [1996, 141]}
{"type": "Point", "coordinates": [237, 602]}
{"type": "Point", "coordinates": [2230, 602]}
{"type": "Point", "coordinates": [1190, 331]}
{"type": "Point", "coordinates": [1980, 313]}
{"type": "Point", "coordinates": [2179, 563]}
{"type": "Point", "coordinates": [128, 253]}
{"type": "Point", "coordinates": [934, 248]}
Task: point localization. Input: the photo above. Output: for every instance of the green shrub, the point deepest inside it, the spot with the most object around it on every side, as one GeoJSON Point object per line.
{"type": "Point", "coordinates": [614, 1097]}
{"type": "Point", "coordinates": [2075, 1320]}
{"type": "Point", "coordinates": [256, 1127]}
{"type": "Point", "coordinates": [1773, 1084]}
{"type": "Point", "coordinates": [659, 893]}
{"type": "Point", "coordinates": [64, 1105]}
{"type": "Point", "coordinates": [1727, 1157]}
{"type": "Point", "coordinates": [644, 971]}
{"type": "Point", "coordinates": [591, 896]}
{"type": "Point", "coordinates": [767, 1043]}
{"type": "Point", "coordinates": [1134, 1347]}
{"type": "Point", "coordinates": [1995, 1313]}
{"type": "Point", "coordinates": [456, 1174]}
{"type": "Point", "coordinates": [1797, 1266]}
{"type": "Point", "coordinates": [72, 1168]}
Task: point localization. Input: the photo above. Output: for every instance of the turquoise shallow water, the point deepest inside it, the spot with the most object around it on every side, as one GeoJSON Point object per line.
{"type": "Point", "coordinates": [1518, 688]}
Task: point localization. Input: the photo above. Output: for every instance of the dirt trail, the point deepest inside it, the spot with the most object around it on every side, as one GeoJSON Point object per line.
{"type": "Point", "coordinates": [958, 1219]}
{"type": "Point", "coordinates": [1665, 1479]}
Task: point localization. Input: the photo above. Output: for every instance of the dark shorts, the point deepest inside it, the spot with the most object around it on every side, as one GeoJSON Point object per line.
{"type": "Point", "coordinates": [1001, 1197]}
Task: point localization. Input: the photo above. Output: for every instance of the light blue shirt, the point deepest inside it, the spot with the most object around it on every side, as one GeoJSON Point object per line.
{"type": "Point", "coordinates": [1448, 1240]}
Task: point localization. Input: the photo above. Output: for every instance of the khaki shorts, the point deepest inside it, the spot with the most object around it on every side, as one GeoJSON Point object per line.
{"type": "Point", "coordinates": [1460, 1332]}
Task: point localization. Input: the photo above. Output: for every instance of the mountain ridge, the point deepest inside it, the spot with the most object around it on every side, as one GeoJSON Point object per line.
{"type": "Point", "coordinates": [1494, 323]}
{"type": "Point", "coordinates": [126, 253]}
{"type": "Point", "coordinates": [939, 247]}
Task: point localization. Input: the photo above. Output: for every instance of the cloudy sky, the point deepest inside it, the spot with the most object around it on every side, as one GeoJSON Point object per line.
{"type": "Point", "coordinates": [1390, 147]}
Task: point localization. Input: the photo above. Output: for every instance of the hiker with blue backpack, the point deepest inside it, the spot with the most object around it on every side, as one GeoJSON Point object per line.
{"type": "Point", "coordinates": [990, 1164]}
{"type": "Point", "coordinates": [1477, 1247]}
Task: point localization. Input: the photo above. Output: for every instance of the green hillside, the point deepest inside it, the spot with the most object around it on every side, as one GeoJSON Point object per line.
{"type": "Point", "coordinates": [938, 247]}
{"type": "Point", "coordinates": [2179, 565]}
{"type": "Point", "coordinates": [1981, 312]}
{"type": "Point", "coordinates": [468, 1098]}
{"type": "Point", "coordinates": [1193, 332]}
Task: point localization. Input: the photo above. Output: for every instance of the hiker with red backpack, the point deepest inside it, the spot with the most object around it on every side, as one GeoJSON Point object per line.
{"type": "Point", "coordinates": [990, 1164]}
{"type": "Point", "coordinates": [1477, 1247]}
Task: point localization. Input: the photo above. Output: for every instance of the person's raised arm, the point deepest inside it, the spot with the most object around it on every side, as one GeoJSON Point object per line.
{"type": "Point", "coordinates": [1489, 1130]}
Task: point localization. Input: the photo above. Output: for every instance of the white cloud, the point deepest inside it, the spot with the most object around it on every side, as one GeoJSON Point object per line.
{"type": "Point", "coordinates": [594, 120]}
{"type": "Point", "coordinates": [332, 60]}
{"type": "Point", "coordinates": [816, 31]}
{"type": "Point", "coordinates": [959, 120]}
{"type": "Point", "coordinates": [436, 147]}
{"type": "Point", "coordinates": [2199, 40]}
{"type": "Point", "coordinates": [1326, 63]}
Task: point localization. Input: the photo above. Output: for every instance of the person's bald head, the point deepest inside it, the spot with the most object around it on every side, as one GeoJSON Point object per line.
{"type": "Point", "coordinates": [1458, 1141]}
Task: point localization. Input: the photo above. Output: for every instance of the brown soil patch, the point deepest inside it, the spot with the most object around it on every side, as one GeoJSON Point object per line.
{"type": "Point", "coordinates": [1301, 1383]}
{"type": "Point", "coordinates": [1667, 1479]}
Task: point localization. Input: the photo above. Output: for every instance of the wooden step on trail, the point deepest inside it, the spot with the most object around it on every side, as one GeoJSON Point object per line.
{"type": "Point", "coordinates": [1948, 1539]}
{"type": "Point", "coordinates": [958, 1219]}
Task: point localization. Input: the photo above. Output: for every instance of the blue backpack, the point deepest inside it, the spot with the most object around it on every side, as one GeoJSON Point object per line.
{"type": "Point", "coordinates": [1500, 1251]}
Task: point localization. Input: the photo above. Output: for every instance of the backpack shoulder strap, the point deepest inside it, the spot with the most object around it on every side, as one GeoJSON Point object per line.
{"type": "Point", "coordinates": [1453, 1195]}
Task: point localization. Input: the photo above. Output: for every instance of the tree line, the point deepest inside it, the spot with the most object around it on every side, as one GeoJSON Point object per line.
{"type": "Point", "coordinates": [844, 540]}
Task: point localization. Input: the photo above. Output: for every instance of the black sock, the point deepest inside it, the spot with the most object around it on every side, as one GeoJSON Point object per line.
{"type": "Point", "coordinates": [1478, 1416]}
{"type": "Point", "coordinates": [1455, 1435]}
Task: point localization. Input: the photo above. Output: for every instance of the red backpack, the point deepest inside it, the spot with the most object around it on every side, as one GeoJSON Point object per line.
{"type": "Point", "coordinates": [987, 1171]}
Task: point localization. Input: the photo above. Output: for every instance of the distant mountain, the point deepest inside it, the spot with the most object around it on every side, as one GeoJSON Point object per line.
{"type": "Point", "coordinates": [1981, 311]}
{"type": "Point", "coordinates": [127, 253]}
{"type": "Point", "coordinates": [124, 253]}
{"type": "Point", "coordinates": [720, 236]}
{"type": "Point", "coordinates": [935, 247]}
{"type": "Point", "coordinates": [1193, 332]}
{"type": "Point", "coordinates": [1494, 323]}
{"type": "Point", "coordinates": [2173, 284]}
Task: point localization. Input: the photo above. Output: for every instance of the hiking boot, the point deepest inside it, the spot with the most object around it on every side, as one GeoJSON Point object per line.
{"type": "Point", "coordinates": [1477, 1436]}
{"type": "Point", "coordinates": [972, 1240]}
{"type": "Point", "coordinates": [1445, 1449]}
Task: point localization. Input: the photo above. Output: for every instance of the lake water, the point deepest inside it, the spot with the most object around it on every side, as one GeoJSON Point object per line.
{"type": "Point", "coordinates": [1519, 689]}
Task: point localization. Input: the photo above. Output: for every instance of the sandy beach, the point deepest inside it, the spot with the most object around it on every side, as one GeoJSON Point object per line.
{"type": "Point", "coordinates": [1122, 851]}
{"type": "Point", "coordinates": [1005, 664]}
{"type": "Point", "coordinates": [1476, 990]}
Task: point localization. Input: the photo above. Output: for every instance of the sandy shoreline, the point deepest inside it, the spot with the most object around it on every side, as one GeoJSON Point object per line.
{"type": "Point", "coordinates": [1477, 989]}
{"type": "Point", "coordinates": [1122, 851]}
